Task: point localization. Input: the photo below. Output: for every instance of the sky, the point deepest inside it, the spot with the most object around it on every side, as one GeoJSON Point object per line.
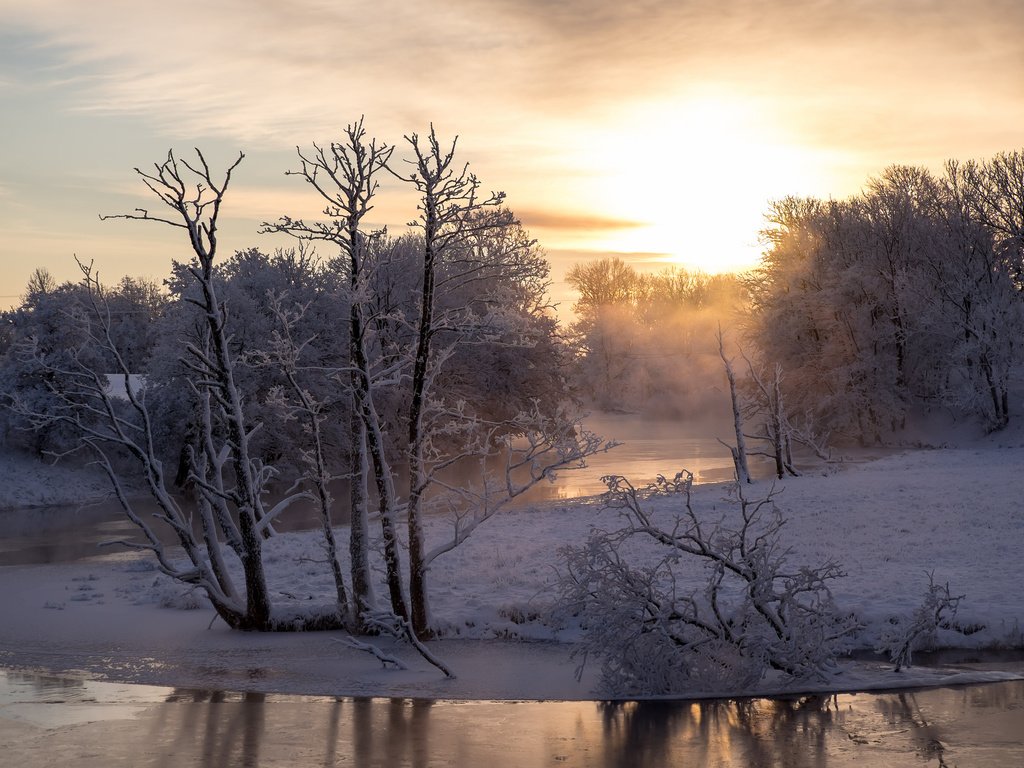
{"type": "Point", "coordinates": [654, 130]}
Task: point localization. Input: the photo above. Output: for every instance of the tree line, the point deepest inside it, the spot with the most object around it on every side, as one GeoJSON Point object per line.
{"type": "Point", "coordinates": [864, 312]}
{"type": "Point", "coordinates": [902, 299]}
{"type": "Point", "coordinates": [646, 342]}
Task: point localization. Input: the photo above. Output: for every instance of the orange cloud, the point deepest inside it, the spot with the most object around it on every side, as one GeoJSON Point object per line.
{"type": "Point", "coordinates": [569, 220]}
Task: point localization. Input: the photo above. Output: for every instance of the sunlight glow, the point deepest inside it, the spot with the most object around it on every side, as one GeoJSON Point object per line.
{"type": "Point", "coordinates": [699, 174]}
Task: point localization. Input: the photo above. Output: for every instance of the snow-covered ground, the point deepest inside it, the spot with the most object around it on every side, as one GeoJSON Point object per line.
{"type": "Point", "coordinates": [27, 482]}
{"type": "Point", "coordinates": [957, 513]}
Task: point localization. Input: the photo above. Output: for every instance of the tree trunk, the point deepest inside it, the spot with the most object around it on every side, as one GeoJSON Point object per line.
{"type": "Point", "coordinates": [417, 472]}
{"type": "Point", "coordinates": [739, 452]}
{"type": "Point", "coordinates": [250, 506]}
{"type": "Point", "coordinates": [363, 395]}
{"type": "Point", "coordinates": [358, 544]}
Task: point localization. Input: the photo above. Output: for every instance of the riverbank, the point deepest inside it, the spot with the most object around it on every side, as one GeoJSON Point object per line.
{"type": "Point", "coordinates": [955, 513]}
{"type": "Point", "coordinates": [27, 483]}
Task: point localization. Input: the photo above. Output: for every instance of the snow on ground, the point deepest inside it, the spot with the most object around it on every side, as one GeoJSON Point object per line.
{"type": "Point", "coordinates": [27, 482]}
{"type": "Point", "coordinates": [957, 513]}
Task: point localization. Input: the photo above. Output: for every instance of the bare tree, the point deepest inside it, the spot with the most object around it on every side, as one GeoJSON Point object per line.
{"type": "Point", "coordinates": [195, 198]}
{"type": "Point", "coordinates": [110, 428]}
{"type": "Point", "coordinates": [937, 611]}
{"type": "Point", "coordinates": [657, 633]}
{"type": "Point", "coordinates": [284, 353]}
{"type": "Point", "coordinates": [738, 451]}
{"type": "Point", "coordinates": [472, 278]}
{"type": "Point", "coordinates": [450, 214]}
{"type": "Point", "coordinates": [767, 403]}
{"type": "Point", "coordinates": [344, 177]}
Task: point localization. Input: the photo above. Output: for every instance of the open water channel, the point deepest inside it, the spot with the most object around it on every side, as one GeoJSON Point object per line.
{"type": "Point", "coordinates": [47, 720]}
{"type": "Point", "coordinates": [647, 448]}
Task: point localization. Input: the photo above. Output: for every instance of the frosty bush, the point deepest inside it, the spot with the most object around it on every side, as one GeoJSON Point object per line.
{"type": "Point", "coordinates": [937, 611]}
{"type": "Point", "coordinates": [750, 612]}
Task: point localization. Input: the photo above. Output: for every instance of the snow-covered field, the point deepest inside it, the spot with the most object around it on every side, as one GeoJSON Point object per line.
{"type": "Point", "coordinates": [25, 482]}
{"type": "Point", "coordinates": [955, 512]}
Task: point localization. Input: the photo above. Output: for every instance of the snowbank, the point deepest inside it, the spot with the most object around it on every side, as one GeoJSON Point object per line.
{"type": "Point", "coordinates": [956, 513]}
{"type": "Point", "coordinates": [27, 482]}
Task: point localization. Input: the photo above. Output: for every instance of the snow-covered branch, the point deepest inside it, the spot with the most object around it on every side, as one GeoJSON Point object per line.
{"type": "Point", "coordinates": [754, 614]}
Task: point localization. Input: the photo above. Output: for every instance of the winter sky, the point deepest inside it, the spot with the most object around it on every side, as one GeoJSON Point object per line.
{"type": "Point", "coordinates": [653, 129]}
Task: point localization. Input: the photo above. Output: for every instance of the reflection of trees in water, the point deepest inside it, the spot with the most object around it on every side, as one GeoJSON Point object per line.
{"type": "Point", "coordinates": [927, 736]}
{"type": "Point", "coordinates": [754, 732]}
{"type": "Point", "coordinates": [799, 732]}
{"type": "Point", "coordinates": [216, 728]}
{"type": "Point", "coordinates": [405, 734]}
{"type": "Point", "coordinates": [932, 717]}
{"type": "Point", "coordinates": [791, 732]}
{"type": "Point", "coordinates": [219, 729]}
{"type": "Point", "coordinates": [639, 733]}
{"type": "Point", "coordinates": [1003, 697]}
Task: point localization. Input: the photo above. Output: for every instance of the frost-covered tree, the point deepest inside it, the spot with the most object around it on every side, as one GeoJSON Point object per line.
{"type": "Point", "coordinates": [980, 312]}
{"type": "Point", "coordinates": [452, 215]}
{"type": "Point", "coordinates": [344, 175]}
{"type": "Point", "coordinates": [720, 608]}
{"type": "Point", "coordinates": [51, 322]}
{"type": "Point", "coordinates": [246, 279]}
{"type": "Point", "coordinates": [229, 479]}
{"type": "Point", "coordinates": [443, 320]}
{"type": "Point", "coordinates": [901, 299]}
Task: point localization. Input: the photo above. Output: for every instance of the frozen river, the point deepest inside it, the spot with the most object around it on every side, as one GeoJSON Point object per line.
{"type": "Point", "coordinates": [46, 720]}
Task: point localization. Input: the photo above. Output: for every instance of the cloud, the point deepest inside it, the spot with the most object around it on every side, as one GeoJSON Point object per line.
{"type": "Point", "coordinates": [565, 220]}
{"type": "Point", "coordinates": [553, 99]}
{"type": "Point", "coordinates": [531, 72]}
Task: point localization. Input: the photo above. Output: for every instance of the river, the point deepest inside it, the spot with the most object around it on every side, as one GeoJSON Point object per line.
{"type": "Point", "coordinates": [648, 447]}
{"type": "Point", "coordinates": [51, 719]}
{"type": "Point", "coordinates": [47, 720]}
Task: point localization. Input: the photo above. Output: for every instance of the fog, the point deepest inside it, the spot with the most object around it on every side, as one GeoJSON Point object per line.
{"type": "Point", "coordinates": [648, 344]}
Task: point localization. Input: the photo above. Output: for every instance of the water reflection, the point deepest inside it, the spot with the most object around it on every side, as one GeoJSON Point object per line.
{"type": "Point", "coordinates": [139, 725]}
{"type": "Point", "coordinates": [649, 447]}
{"type": "Point", "coordinates": [212, 728]}
{"type": "Point", "coordinates": [761, 732]}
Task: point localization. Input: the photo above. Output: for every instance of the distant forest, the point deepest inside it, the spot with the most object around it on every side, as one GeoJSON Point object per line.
{"type": "Point", "coordinates": [904, 299]}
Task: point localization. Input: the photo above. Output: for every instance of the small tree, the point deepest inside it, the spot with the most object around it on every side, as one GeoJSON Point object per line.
{"type": "Point", "coordinates": [766, 403]}
{"type": "Point", "coordinates": [937, 611]}
{"type": "Point", "coordinates": [739, 451]}
{"type": "Point", "coordinates": [657, 632]}
{"type": "Point", "coordinates": [285, 353]}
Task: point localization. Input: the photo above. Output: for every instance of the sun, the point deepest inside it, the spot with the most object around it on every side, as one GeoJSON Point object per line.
{"type": "Point", "coordinates": [697, 178]}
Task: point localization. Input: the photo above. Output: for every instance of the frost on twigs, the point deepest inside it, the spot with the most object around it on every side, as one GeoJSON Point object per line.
{"type": "Point", "coordinates": [378, 653]}
{"type": "Point", "coordinates": [715, 609]}
{"type": "Point", "coordinates": [937, 611]}
{"type": "Point", "coordinates": [390, 624]}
